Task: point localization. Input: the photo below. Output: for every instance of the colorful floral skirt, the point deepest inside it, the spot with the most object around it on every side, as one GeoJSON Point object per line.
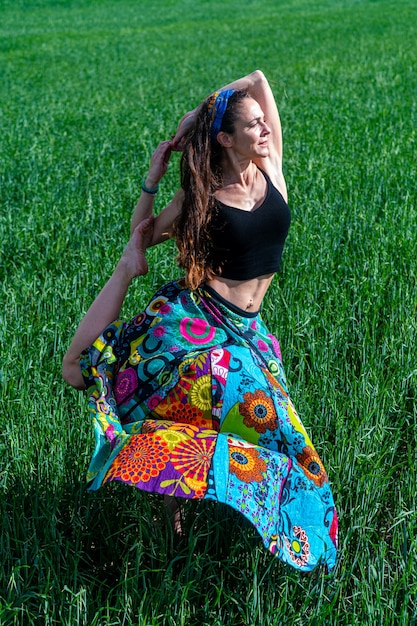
{"type": "Point", "coordinates": [189, 399]}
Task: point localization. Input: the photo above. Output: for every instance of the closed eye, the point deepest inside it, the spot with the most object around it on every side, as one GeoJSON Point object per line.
{"type": "Point", "coordinates": [256, 122]}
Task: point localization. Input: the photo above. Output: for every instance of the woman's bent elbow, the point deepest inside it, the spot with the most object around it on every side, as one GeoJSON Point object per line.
{"type": "Point", "coordinates": [71, 373]}
{"type": "Point", "coordinates": [258, 77]}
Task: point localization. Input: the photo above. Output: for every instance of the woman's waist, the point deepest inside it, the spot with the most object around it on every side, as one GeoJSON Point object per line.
{"type": "Point", "coordinates": [245, 295]}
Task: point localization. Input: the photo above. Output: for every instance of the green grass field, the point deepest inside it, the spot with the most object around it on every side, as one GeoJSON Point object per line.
{"type": "Point", "coordinates": [88, 89]}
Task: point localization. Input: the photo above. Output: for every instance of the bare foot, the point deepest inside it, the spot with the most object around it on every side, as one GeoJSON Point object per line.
{"type": "Point", "coordinates": [133, 260]}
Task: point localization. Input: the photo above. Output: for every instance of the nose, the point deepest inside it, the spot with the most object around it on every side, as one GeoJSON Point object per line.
{"type": "Point", "coordinates": [266, 130]}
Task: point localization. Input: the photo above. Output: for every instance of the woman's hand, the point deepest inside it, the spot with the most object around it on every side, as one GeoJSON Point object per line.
{"type": "Point", "coordinates": [185, 125]}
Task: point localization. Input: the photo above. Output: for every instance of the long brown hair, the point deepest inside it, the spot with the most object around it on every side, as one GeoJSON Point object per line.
{"type": "Point", "coordinates": [201, 177]}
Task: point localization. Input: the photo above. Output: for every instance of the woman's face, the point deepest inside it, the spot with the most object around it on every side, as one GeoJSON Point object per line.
{"type": "Point", "coordinates": [251, 134]}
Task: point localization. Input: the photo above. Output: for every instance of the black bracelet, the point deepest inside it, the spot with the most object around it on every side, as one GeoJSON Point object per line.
{"type": "Point", "coordinates": [152, 190]}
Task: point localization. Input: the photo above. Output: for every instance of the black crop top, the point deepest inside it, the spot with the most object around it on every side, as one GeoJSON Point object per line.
{"type": "Point", "coordinates": [248, 244]}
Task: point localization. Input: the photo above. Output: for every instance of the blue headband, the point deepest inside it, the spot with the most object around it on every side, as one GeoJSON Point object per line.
{"type": "Point", "coordinates": [217, 108]}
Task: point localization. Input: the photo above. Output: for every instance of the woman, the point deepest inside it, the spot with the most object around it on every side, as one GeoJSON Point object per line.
{"type": "Point", "coordinates": [189, 398]}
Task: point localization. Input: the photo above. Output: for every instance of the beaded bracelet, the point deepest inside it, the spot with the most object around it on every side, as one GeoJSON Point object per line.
{"type": "Point", "coordinates": [152, 190]}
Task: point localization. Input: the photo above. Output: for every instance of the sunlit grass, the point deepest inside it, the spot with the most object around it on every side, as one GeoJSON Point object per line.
{"type": "Point", "coordinates": [88, 89]}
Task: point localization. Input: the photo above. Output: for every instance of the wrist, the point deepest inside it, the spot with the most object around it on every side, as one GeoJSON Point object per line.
{"type": "Point", "coordinates": [149, 186]}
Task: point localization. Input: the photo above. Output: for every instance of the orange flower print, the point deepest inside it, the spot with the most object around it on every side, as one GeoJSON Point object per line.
{"type": "Point", "coordinates": [186, 413]}
{"type": "Point", "coordinates": [312, 466]}
{"type": "Point", "coordinates": [198, 486]}
{"type": "Point", "coordinates": [142, 458]}
{"type": "Point", "coordinates": [246, 464]}
{"type": "Point", "coordinates": [177, 411]}
{"type": "Point", "coordinates": [258, 411]}
{"type": "Point", "coordinates": [192, 458]}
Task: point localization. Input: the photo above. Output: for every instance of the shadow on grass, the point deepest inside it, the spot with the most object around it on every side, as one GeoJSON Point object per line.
{"type": "Point", "coordinates": [76, 555]}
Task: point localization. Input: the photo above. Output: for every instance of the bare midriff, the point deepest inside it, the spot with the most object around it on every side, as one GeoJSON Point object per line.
{"type": "Point", "coordinates": [245, 294]}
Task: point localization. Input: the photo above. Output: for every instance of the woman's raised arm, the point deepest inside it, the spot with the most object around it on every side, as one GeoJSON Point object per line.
{"type": "Point", "coordinates": [157, 169]}
{"type": "Point", "coordinates": [257, 85]}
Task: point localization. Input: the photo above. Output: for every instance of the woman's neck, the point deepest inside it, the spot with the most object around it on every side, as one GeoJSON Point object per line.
{"type": "Point", "coordinates": [238, 172]}
{"type": "Point", "coordinates": [246, 191]}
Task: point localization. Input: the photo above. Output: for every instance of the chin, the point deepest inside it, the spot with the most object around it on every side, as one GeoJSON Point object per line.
{"type": "Point", "coordinates": [264, 152]}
